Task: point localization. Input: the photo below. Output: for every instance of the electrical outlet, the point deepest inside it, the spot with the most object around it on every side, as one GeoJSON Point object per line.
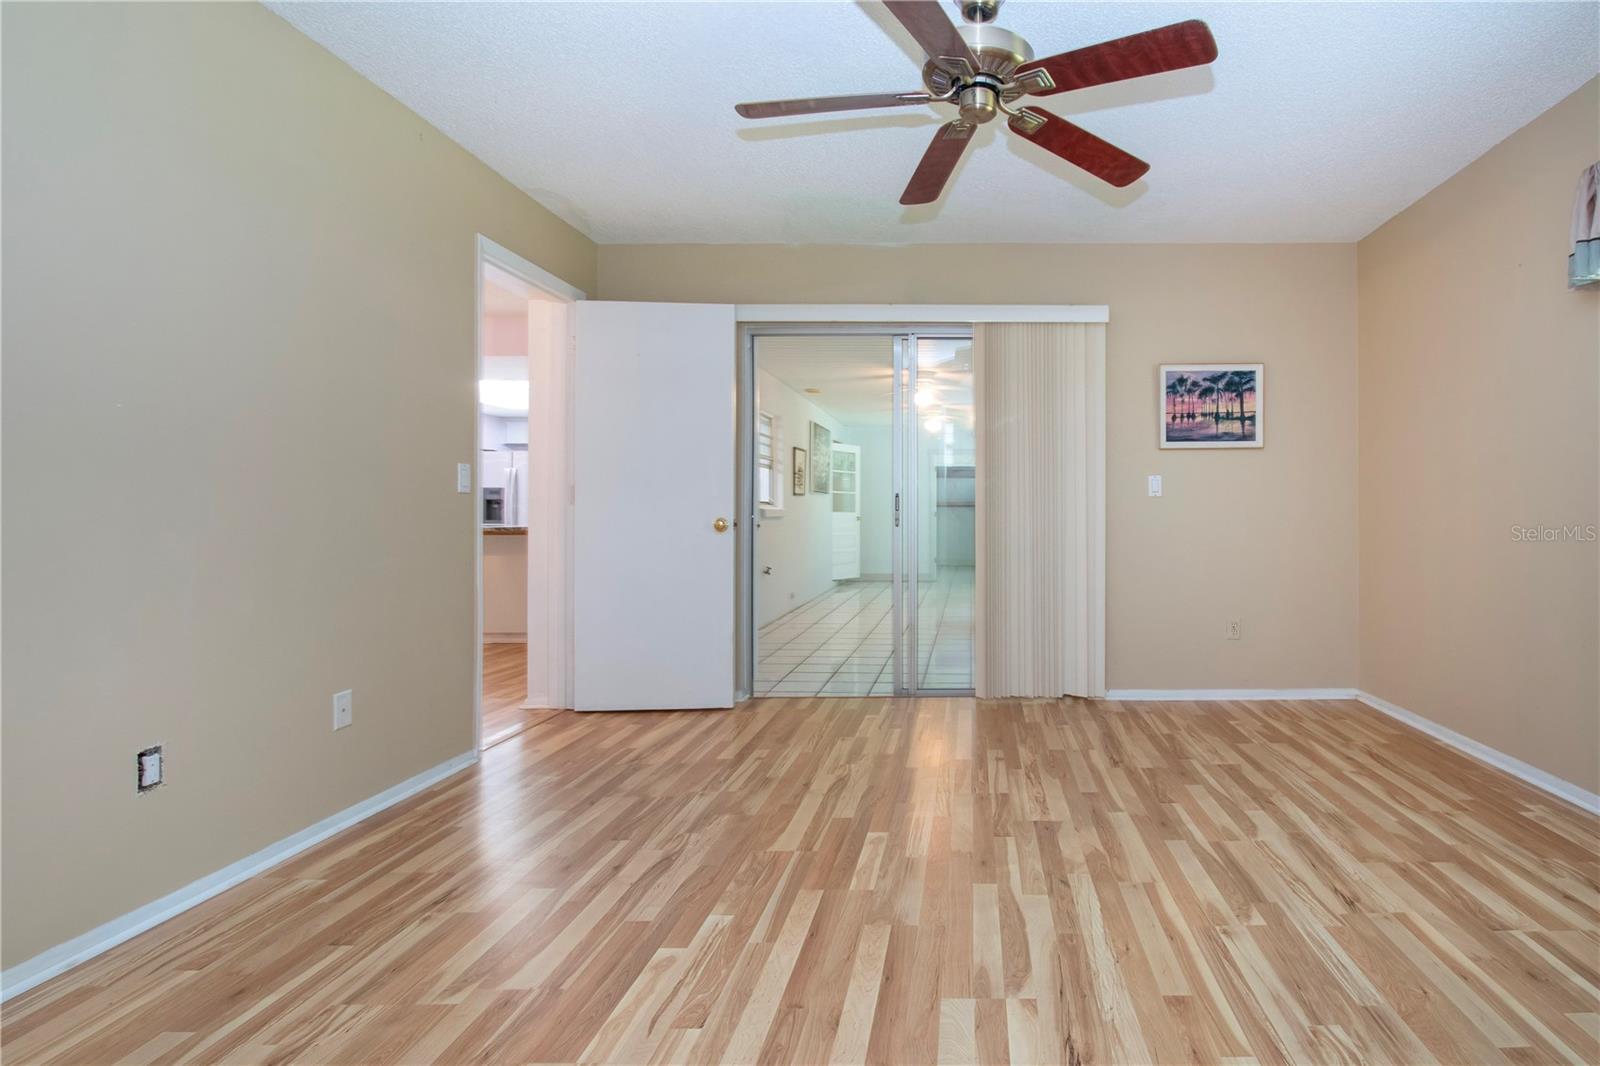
{"type": "Point", "coordinates": [1233, 629]}
{"type": "Point", "coordinates": [342, 709]}
{"type": "Point", "coordinates": [149, 769]}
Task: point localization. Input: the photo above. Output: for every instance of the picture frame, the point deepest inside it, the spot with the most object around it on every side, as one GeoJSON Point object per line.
{"type": "Point", "coordinates": [1211, 405]}
{"type": "Point", "coordinates": [821, 458]}
{"type": "Point", "coordinates": [798, 462]}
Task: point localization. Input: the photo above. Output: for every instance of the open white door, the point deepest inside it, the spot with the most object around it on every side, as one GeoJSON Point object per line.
{"type": "Point", "coordinates": [846, 477]}
{"type": "Point", "coordinates": [653, 474]}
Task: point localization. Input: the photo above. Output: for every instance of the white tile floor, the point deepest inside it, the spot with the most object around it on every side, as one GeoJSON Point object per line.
{"type": "Point", "coordinates": [840, 643]}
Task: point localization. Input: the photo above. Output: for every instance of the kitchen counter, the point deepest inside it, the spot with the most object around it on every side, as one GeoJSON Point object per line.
{"type": "Point", "coordinates": [505, 583]}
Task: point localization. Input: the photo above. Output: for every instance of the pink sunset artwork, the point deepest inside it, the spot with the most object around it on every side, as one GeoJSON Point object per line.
{"type": "Point", "coordinates": [1211, 405]}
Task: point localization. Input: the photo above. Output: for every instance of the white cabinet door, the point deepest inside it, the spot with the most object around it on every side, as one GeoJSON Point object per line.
{"type": "Point", "coordinates": [653, 471]}
{"type": "Point", "coordinates": [846, 477]}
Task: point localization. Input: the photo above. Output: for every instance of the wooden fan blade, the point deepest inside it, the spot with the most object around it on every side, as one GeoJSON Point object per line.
{"type": "Point", "coordinates": [1183, 44]}
{"type": "Point", "coordinates": [928, 23]}
{"type": "Point", "coordinates": [938, 161]}
{"type": "Point", "coordinates": [1080, 147]}
{"type": "Point", "coordinates": [813, 105]}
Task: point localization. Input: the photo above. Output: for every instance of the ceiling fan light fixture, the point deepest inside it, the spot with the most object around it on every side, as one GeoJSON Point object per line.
{"type": "Point", "coordinates": [979, 104]}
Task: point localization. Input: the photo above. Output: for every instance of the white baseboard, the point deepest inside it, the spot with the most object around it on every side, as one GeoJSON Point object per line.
{"type": "Point", "coordinates": [1545, 782]}
{"type": "Point", "coordinates": [62, 957]}
{"type": "Point", "coordinates": [505, 638]}
{"type": "Point", "coordinates": [1184, 694]}
{"type": "Point", "coordinates": [536, 703]}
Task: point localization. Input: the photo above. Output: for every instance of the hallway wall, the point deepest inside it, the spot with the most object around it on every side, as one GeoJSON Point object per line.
{"type": "Point", "coordinates": [797, 544]}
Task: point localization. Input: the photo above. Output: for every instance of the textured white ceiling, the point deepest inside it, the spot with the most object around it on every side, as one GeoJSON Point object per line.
{"type": "Point", "coordinates": [1318, 121]}
{"type": "Point", "coordinates": [854, 375]}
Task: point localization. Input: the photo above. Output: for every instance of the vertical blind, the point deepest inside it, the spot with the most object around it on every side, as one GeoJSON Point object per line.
{"type": "Point", "coordinates": [1040, 396]}
{"type": "Point", "coordinates": [1583, 262]}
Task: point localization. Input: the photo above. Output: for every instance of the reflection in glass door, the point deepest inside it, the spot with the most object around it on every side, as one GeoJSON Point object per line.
{"type": "Point", "coordinates": [935, 511]}
{"type": "Point", "coordinates": [860, 511]}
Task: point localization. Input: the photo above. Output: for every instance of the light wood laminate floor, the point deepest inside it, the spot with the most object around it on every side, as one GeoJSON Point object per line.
{"type": "Point", "coordinates": [505, 689]}
{"type": "Point", "coordinates": [859, 880]}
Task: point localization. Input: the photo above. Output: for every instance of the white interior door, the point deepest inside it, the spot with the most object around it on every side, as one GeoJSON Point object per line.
{"type": "Point", "coordinates": [653, 472]}
{"type": "Point", "coordinates": [846, 512]}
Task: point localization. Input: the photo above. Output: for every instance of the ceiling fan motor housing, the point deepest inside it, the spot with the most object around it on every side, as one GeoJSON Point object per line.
{"type": "Point", "coordinates": [999, 53]}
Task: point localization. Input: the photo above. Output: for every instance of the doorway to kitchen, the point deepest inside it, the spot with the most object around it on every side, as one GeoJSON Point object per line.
{"type": "Point", "coordinates": [863, 523]}
{"type": "Point", "coordinates": [522, 478]}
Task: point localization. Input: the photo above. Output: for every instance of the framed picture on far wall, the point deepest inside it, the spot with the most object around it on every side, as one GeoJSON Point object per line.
{"type": "Point", "coordinates": [1211, 405]}
{"type": "Point", "coordinates": [821, 458]}
{"type": "Point", "coordinates": [799, 462]}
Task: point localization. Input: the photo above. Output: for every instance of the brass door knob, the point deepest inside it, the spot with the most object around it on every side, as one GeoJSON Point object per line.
{"type": "Point", "coordinates": [720, 525]}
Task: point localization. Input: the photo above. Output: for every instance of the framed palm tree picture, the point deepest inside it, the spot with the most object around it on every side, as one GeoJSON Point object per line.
{"type": "Point", "coordinates": [1211, 405]}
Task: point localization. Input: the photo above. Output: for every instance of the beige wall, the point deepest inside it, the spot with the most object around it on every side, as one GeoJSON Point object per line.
{"type": "Point", "coordinates": [238, 376]}
{"type": "Point", "coordinates": [1478, 413]}
{"type": "Point", "coordinates": [1268, 536]}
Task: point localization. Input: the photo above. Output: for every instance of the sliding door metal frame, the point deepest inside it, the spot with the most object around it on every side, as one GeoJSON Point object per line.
{"type": "Point", "coordinates": [907, 598]}
{"type": "Point", "coordinates": [903, 435]}
{"type": "Point", "coordinates": [897, 537]}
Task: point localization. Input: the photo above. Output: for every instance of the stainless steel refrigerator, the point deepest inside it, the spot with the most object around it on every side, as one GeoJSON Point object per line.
{"type": "Point", "coordinates": [506, 469]}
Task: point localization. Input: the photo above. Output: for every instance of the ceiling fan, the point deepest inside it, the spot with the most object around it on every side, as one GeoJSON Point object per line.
{"type": "Point", "coordinates": [984, 70]}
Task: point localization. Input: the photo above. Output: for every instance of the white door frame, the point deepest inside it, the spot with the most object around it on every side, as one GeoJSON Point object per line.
{"type": "Point", "coordinates": [805, 319]}
{"type": "Point", "coordinates": [558, 526]}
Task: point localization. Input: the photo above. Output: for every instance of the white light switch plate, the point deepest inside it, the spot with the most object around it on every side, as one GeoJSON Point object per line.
{"type": "Point", "coordinates": [342, 708]}
{"type": "Point", "coordinates": [463, 477]}
{"type": "Point", "coordinates": [1155, 484]}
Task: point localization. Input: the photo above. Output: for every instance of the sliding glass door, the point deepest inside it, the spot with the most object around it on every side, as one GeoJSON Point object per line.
{"type": "Point", "coordinates": [860, 511]}
{"type": "Point", "coordinates": [935, 512]}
